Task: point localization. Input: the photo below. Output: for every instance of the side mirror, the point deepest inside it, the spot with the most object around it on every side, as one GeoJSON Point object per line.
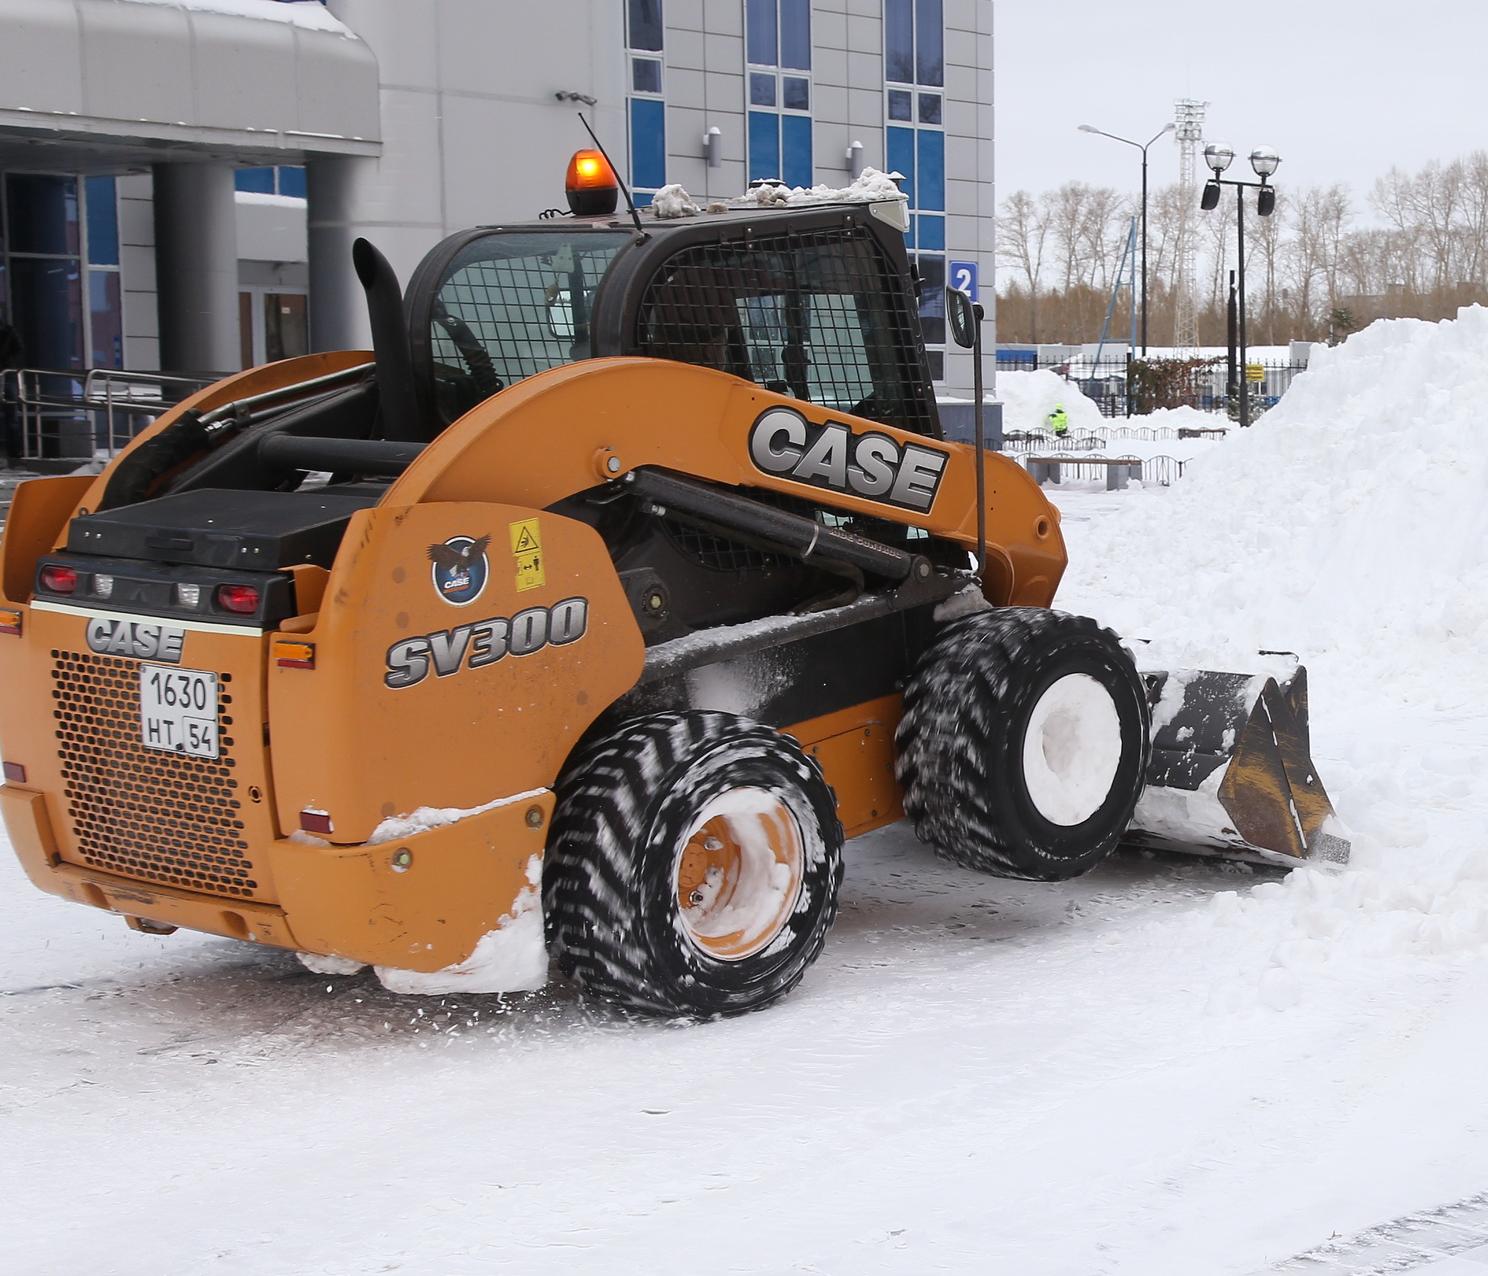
{"type": "Point", "coordinates": [961, 315]}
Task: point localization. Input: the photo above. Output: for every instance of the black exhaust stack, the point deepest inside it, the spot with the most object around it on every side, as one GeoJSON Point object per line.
{"type": "Point", "coordinates": [401, 420]}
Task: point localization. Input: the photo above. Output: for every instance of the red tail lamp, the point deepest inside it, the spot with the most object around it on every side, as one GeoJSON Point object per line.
{"type": "Point", "coordinates": [313, 821]}
{"type": "Point", "coordinates": [591, 185]}
{"type": "Point", "coordinates": [241, 599]}
{"type": "Point", "coordinates": [10, 622]}
{"type": "Point", "coordinates": [57, 579]}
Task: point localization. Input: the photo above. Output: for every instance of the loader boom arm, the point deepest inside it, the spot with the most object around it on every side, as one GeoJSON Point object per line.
{"type": "Point", "coordinates": [577, 427]}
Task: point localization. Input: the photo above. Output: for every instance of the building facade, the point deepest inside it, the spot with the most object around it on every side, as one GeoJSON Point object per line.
{"type": "Point", "coordinates": [181, 180]}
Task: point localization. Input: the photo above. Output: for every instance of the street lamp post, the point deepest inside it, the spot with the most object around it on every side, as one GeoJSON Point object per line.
{"type": "Point", "coordinates": [1141, 146]}
{"type": "Point", "coordinates": [1265, 162]}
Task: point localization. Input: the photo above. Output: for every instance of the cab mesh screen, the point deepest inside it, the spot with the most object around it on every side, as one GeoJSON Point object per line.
{"type": "Point", "coordinates": [818, 315]}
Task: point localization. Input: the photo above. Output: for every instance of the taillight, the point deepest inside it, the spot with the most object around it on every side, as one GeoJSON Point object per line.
{"type": "Point", "coordinates": [313, 821]}
{"type": "Point", "coordinates": [242, 599]}
{"type": "Point", "coordinates": [57, 579]}
{"type": "Point", "coordinates": [10, 622]}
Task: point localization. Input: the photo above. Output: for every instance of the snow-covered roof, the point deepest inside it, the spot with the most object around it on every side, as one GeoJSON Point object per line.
{"type": "Point", "coordinates": [309, 15]}
{"type": "Point", "coordinates": [870, 187]}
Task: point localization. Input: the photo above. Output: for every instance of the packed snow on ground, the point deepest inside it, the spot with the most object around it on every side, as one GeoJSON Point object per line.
{"type": "Point", "coordinates": [1166, 1067]}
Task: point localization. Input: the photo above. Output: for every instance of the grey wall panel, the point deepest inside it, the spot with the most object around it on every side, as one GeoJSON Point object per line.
{"type": "Point", "coordinates": [338, 86]}
{"type": "Point", "coordinates": [120, 39]}
{"type": "Point", "coordinates": [40, 56]}
{"type": "Point", "coordinates": [246, 76]}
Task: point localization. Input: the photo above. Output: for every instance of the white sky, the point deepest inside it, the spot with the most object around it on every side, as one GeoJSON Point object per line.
{"type": "Point", "coordinates": [1342, 89]}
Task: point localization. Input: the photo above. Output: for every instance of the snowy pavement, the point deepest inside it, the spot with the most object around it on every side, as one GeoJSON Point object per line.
{"type": "Point", "coordinates": [979, 1075]}
{"type": "Point", "coordinates": [1167, 1067]}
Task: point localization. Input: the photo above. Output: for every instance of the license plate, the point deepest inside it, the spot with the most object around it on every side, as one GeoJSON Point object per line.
{"type": "Point", "coordinates": [178, 710]}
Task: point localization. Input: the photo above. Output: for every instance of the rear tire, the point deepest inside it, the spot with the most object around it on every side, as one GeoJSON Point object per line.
{"type": "Point", "coordinates": [693, 867]}
{"type": "Point", "coordinates": [1024, 743]}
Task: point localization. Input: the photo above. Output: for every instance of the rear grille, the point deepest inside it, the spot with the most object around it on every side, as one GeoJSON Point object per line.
{"type": "Point", "coordinates": [143, 813]}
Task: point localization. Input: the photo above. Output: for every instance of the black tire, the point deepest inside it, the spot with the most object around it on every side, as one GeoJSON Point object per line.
{"type": "Point", "coordinates": [961, 743]}
{"type": "Point", "coordinates": [626, 807]}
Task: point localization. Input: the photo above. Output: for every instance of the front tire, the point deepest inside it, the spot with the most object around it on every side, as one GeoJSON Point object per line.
{"type": "Point", "coordinates": [1024, 743]}
{"type": "Point", "coordinates": [694, 865]}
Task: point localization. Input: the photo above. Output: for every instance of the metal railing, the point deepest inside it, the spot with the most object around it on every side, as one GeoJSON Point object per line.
{"type": "Point", "coordinates": [58, 416]}
{"type": "Point", "coordinates": [1104, 384]}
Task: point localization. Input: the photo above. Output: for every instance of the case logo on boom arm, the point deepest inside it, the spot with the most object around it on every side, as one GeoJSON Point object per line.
{"type": "Point", "coordinates": [460, 568]}
{"type": "Point", "coordinates": [869, 465]}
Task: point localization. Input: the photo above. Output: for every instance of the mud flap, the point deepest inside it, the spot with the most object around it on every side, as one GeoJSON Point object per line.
{"type": "Point", "coordinates": [1232, 771]}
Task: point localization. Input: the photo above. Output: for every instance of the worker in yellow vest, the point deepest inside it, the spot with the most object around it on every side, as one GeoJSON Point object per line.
{"type": "Point", "coordinates": [1059, 421]}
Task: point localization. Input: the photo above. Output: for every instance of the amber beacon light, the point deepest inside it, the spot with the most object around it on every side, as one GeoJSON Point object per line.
{"type": "Point", "coordinates": [591, 185]}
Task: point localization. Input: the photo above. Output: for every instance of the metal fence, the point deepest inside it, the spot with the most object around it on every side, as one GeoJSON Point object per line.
{"type": "Point", "coordinates": [1105, 383]}
{"type": "Point", "coordinates": [55, 418]}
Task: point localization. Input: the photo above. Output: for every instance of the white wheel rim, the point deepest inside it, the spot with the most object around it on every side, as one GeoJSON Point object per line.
{"type": "Point", "coordinates": [1071, 750]}
{"type": "Point", "coordinates": [738, 873]}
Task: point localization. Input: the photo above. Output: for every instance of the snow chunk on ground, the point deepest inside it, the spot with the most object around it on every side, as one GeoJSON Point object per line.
{"type": "Point", "coordinates": [673, 201]}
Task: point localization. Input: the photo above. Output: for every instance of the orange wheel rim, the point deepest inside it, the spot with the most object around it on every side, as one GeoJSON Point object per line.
{"type": "Point", "coordinates": [739, 874]}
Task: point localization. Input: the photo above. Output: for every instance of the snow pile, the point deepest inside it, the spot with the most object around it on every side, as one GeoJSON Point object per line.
{"type": "Point", "coordinates": [1348, 525]}
{"type": "Point", "coordinates": [308, 15]}
{"type": "Point", "coordinates": [1028, 398]}
{"type": "Point", "coordinates": [673, 201]}
{"type": "Point", "coordinates": [869, 187]}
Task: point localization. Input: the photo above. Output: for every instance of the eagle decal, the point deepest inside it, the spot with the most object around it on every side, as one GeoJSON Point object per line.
{"type": "Point", "coordinates": [460, 568]}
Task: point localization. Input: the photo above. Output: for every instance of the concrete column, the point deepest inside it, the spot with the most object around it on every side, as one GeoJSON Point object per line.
{"type": "Point", "coordinates": [196, 259]}
{"type": "Point", "coordinates": [338, 310]}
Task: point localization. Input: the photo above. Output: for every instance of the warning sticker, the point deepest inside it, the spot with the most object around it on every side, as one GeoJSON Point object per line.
{"type": "Point", "coordinates": [526, 546]}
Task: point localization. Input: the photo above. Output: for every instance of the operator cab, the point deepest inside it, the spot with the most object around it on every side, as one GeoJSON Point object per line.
{"type": "Point", "coordinates": [817, 302]}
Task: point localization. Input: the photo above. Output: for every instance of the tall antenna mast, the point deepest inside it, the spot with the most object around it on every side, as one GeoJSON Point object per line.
{"type": "Point", "coordinates": [1189, 135]}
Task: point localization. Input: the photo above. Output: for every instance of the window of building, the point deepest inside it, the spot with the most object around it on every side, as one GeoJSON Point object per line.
{"type": "Point", "coordinates": [59, 269]}
{"type": "Point", "coordinates": [914, 74]}
{"type": "Point", "coordinates": [778, 49]}
{"type": "Point", "coordinates": [284, 180]}
{"type": "Point", "coordinates": [646, 104]}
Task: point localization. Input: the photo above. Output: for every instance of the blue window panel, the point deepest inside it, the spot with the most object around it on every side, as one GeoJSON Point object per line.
{"type": "Point", "coordinates": [795, 34]}
{"type": "Point", "coordinates": [103, 222]}
{"type": "Point", "coordinates": [643, 198]}
{"type": "Point", "coordinates": [260, 181]}
{"type": "Point", "coordinates": [647, 142]}
{"type": "Point", "coordinates": [645, 75]}
{"type": "Point", "coordinates": [761, 36]}
{"type": "Point", "coordinates": [795, 93]}
{"type": "Point", "coordinates": [901, 158]}
{"type": "Point", "coordinates": [795, 145]}
{"type": "Point", "coordinates": [899, 105]}
{"type": "Point", "coordinates": [931, 170]}
{"type": "Point", "coordinates": [645, 24]}
{"type": "Point", "coordinates": [932, 232]}
{"type": "Point", "coordinates": [761, 89]}
{"type": "Point", "coordinates": [106, 317]}
{"type": "Point", "coordinates": [899, 61]}
{"type": "Point", "coordinates": [929, 42]}
{"type": "Point", "coordinates": [292, 181]}
{"type": "Point", "coordinates": [764, 144]}
{"type": "Point", "coordinates": [930, 108]}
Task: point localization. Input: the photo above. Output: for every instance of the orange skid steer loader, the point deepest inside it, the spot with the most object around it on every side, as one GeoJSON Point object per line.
{"type": "Point", "coordinates": [584, 619]}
